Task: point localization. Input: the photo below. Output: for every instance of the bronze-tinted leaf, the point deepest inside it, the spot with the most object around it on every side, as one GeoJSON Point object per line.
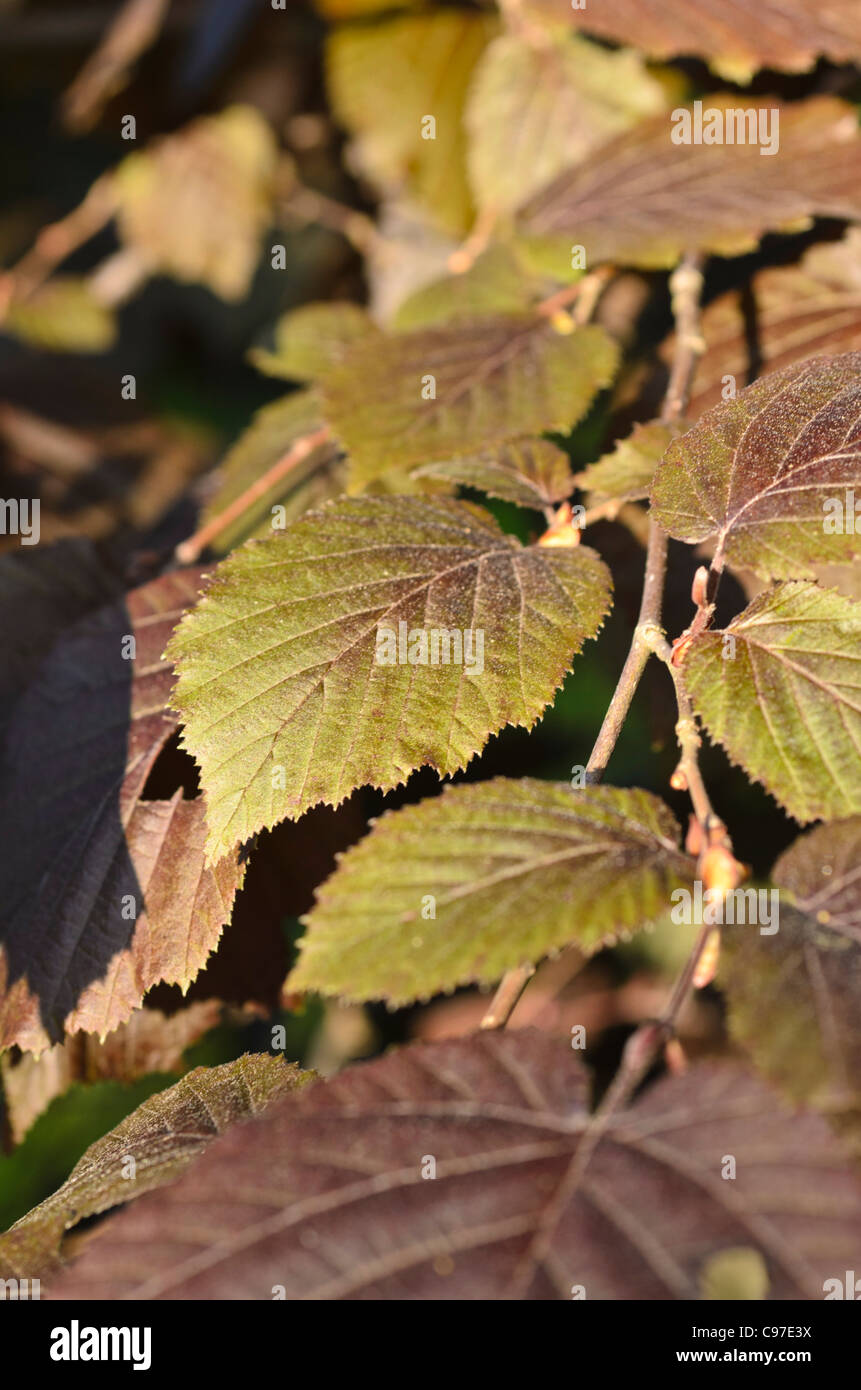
{"type": "Point", "coordinates": [104, 892]}
{"type": "Point", "coordinates": [737, 38]}
{"type": "Point", "coordinates": [327, 1195]}
{"type": "Point", "coordinates": [771, 474]}
{"type": "Point", "coordinates": [642, 199]}
{"type": "Point", "coordinates": [458, 390]}
{"type": "Point", "coordinates": [781, 315]}
{"type": "Point", "coordinates": [795, 995]}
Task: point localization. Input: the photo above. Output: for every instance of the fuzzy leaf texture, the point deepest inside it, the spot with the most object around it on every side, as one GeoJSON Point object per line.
{"type": "Point", "coordinates": [324, 1194]}
{"type": "Point", "coordinates": [453, 391]}
{"type": "Point", "coordinates": [528, 472]}
{"type": "Point", "coordinates": [511, 869]}
{"type": "Point", "coordinates": [768, 474]}
{"type": "Point", "coordinates": [282, 696]}
{"type": "Point", "coordinates": [787, 705]}
{"type": "Point", "coordinates": [162, 1136]}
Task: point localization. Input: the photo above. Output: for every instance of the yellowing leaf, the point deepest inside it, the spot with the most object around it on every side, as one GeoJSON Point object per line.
{"type": "Point", "coordinates": [737, 1274]}
{"type": "Point", "coordinates": [63, 316]}
{"type": "Point", "coordinates": [399, 87]}
{"type": "Point", "coordinates": [469, 884]}
{"type": "Point", "coordinates": [535, 110]}
{"type": "Point", "coordinates": [196, 205]}
{"type": "Point", "coordinates": [299, 678]}
{"type": "Point", "coordinates": [496, 283]}
{"type": "Point", "coordinates": [312, 339]}
{"type": "Point", "coordinates": [780, 689]}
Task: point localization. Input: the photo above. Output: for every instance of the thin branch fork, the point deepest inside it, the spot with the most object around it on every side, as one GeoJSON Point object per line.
{"type": "Point", "coordinates": [686, 284]}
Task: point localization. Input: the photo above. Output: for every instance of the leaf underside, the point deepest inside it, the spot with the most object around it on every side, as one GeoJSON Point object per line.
{"type": "Point", "coordinates": [325, 1196]}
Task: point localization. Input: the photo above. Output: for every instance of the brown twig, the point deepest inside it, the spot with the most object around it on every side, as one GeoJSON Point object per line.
{"type": "Point", "coordinates": [190, 550]}
{"type": "Point", "coordinates": [685, 289]}
{"type": "Point", "coordinates": [133, 29]}
{"type": "Point", "coordinates": [57, 241]}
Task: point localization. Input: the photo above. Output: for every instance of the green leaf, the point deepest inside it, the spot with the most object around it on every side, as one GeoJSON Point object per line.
{"type": "Point", "coordinates": [535, 110]}
{"type": "Point", "coordinates": [528, 472]}
{"type": "Point", "coordinates": [162, 1137]}
{"type": "Point", "coordinates": [284, 700]}
{"type": "Point", "coordinates": [641, 199]}
{"type": "Point", "coordinates": [469, 884]}
{"type": "Point", "coordinates": [309, 341]}
{"type": "Point", "coordinates": [449, 392]}
{"type": "Point", "coordinates": [496, 283]}
{"type": "Point", "coordinates": [626, 473]}
{"type": "Point", "coordinates": [385, 79]}
{"type": "Point", "coordinates": [63, 316]}
{"type": "Point", "coordinates": [795, 996]}
{"type": "Point", "coordinates": [271, 434]}
{"type": "Point", "coordinates": [768, 473]}
{"type": "Point", "coordinates": [787, 705]}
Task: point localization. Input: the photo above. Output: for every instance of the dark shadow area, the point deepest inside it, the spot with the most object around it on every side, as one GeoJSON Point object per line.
{"type": "Point", "coordinates": [69, 893]}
